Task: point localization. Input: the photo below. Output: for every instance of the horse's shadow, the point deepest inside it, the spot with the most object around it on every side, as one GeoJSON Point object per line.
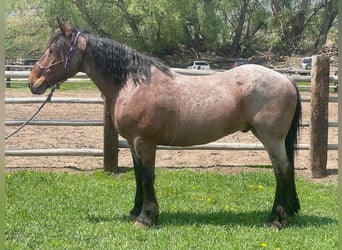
{"type": "Point", "coordinates": [220, 218]}
{"type": "Point", "coordinates": [229, 218]}
{"type": "Point", "coordinates": [223, 218]}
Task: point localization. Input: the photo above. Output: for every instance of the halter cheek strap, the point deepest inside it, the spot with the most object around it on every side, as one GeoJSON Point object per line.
{"type": "Point", "coordinates": [71, 51]}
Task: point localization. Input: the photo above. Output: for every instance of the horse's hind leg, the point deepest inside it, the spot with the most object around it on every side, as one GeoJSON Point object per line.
{"type": "Point", "coordinates": [146, 209]}
{"type": "Point", "coordinates": [286, 201]}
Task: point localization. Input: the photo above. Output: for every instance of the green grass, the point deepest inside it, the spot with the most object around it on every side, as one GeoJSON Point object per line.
{"type": "Point", "coordinates": [198, 210]}
{"type": "Point", "coordinates": [82, 85]}
{"type": "Point", "coordinates": [306, 86]}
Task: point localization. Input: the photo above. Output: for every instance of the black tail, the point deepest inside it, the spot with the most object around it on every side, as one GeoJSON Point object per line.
{"type": "Point", "coordinates": [291, 138]}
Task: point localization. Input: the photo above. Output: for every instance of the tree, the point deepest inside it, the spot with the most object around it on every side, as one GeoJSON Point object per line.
{"type": "Point", "coordinates": [159, 22]}
{"type": "Point", "coordinates": [329, 16]}
{"type": "Point", "coordinates": [209, 24]}
{"type": "Point", "coordinates": [234, 48]}
{"type": "Point", "coordinates": [244, 26]}
{"type": "Point", "coordinates": [289, 18]}
{"type": "Point", "coordinates": [24, 25]}
{"type": "Point", "coordinates": [229, 28]}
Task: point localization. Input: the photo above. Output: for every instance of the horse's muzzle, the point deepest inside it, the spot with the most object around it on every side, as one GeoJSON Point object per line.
{"type": "Point", "coordinates": [36, 88]}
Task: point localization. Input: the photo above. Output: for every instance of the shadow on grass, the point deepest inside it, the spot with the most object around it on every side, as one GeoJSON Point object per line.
{"type": "Point", "coordinates": [228, 218]}
{"type": "Point", "coordinates": [224, 218]}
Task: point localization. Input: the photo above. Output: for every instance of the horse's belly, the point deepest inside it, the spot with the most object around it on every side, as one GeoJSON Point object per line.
{"type": "Point", "coordinates": [203, 120]}
{"type": "Point", "coordinates": [199, 132]}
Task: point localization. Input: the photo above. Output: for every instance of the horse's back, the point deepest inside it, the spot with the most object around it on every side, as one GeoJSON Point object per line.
{"type": "Point", "coordinates": [240, 80]}
{"type": "Point", "coordinates": [239, 99]}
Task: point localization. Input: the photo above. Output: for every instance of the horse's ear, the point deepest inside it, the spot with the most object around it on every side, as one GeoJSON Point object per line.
{"type": "Point", "coordinates": [64, 27]}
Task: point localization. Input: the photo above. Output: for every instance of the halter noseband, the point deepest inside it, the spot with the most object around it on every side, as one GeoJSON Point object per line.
{"type": "Point", "coordinates": [66, 61]}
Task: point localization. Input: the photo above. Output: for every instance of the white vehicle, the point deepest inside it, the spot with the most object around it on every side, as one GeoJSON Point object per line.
{"type": "Point", "coordinates": [305, 66]}
{"type": "Point", "coordinates": [306, 63]}
{"type": "Point", "coordinates": [200, 65]}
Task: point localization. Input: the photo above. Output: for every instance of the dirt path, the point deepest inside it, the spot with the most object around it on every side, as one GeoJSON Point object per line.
{"type": "Point", "coordinates": [91, 137]}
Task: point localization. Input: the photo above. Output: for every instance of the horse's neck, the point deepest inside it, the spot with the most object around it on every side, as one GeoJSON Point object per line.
{"type": "Point", "coordinates": [107, 88]}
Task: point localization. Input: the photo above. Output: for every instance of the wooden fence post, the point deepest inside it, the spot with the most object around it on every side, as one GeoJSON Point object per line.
{"type": "Point", "coordinates": [319, 115]}
{"type": "Point", "coordinates": [8, 82]}
{"type": "Point", "coordinates": [110, 141]}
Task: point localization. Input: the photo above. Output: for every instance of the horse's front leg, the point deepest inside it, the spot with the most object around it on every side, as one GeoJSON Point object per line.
{"type": "Point", "coordinates": [145, 201]}
{"type": "Point", "coordinates": [138, 200]}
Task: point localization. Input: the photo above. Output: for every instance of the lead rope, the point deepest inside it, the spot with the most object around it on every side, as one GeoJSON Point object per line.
{"type": "Point", "coordinates": [48, 99]}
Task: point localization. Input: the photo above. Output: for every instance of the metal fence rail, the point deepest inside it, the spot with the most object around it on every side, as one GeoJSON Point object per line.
{"type": "Point", "coordinates": [124, 144]}
{"type": "Point", "coordinates": [121, 143]}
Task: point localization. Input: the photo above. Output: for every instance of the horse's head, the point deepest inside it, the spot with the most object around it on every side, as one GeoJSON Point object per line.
{"type": "Point", "coordinates": [61, 60]}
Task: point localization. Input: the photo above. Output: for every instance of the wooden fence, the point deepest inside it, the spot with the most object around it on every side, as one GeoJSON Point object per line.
{"type": "Point", "coordinates": [112, 144]}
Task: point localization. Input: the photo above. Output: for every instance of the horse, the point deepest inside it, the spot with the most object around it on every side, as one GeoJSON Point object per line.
{"type": "Point", "coordinates": [153, 105]}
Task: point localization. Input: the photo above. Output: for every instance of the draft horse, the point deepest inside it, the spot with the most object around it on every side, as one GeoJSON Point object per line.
{"type": "Point", "coordinates": [152, 105]}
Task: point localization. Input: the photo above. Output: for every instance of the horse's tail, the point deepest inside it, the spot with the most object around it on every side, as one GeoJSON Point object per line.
{"type": "Point", "coordinates": [291, 138]}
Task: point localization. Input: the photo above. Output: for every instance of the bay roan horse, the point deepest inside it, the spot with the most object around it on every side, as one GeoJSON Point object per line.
{"type": "Point", "coordinates": [152, 105]}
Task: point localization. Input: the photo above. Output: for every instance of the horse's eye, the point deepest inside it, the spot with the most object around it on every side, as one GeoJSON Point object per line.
{"type": "Point", "coordinates": [52, 49]}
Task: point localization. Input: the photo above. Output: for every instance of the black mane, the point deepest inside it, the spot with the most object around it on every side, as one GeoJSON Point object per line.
{"type": "Point", "coordinates": [117, 61]}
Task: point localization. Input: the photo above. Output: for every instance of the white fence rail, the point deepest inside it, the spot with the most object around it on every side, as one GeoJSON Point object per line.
{"type": "Point", "coordinates": [25, 74]}
{"type": "Point", "coordinates": [35, 100]}
{"type": "Point", "coordinates": [122, 144]}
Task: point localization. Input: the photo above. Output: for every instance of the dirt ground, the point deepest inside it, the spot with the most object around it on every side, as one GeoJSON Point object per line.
{"type": "Point", "coordinates": [31, 137]}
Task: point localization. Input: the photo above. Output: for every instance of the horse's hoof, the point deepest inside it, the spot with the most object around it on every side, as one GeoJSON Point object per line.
{"type": "Point", "coordinates": [140, 225]}
{"type": "Point", "coordinates": [132, 217]}
{"type": "Point", "coordinates": [275, 225]}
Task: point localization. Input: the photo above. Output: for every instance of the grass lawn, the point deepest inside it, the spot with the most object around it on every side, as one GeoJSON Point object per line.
{"type": "Point", "coordinates": [306, 86]}
{"type": "Point", "coordinates": [198, 210]}
{"type": "Point", "coordinates": [79, 85]}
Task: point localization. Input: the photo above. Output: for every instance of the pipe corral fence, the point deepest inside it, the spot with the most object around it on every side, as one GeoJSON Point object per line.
{"type": "Point", "coordinates": [319, 127]}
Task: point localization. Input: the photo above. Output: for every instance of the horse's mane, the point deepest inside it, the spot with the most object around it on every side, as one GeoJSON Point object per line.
{"type": "Point", "coordinates": [117, 61]}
